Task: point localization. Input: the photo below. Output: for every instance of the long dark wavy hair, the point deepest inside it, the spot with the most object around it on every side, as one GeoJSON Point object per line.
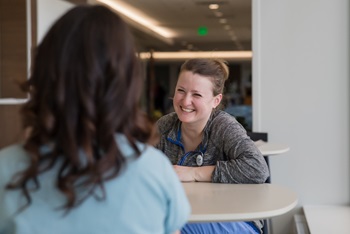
{"type": "Point", "coordinates": [84, 88]}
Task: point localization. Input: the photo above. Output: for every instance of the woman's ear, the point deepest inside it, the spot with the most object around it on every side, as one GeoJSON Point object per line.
{"type": "Point", "coordinates": [217, 100]}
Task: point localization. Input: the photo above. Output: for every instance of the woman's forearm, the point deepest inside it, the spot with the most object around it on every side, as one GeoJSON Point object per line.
{"type": "Point", "coordinates": [203, 174]}
{"type": "Point", "coordinates": [190, 174]}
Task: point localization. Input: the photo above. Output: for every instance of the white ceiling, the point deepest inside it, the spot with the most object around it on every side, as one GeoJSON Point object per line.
{"type": "Point", "coordinates": [183, 17]}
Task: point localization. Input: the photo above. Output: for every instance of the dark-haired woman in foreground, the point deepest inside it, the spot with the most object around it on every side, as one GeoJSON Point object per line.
{"type": "Point", "coordinates": [86, 165]}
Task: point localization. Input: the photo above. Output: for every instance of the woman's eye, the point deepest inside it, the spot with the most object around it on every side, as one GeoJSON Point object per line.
{"type": "Point", "coordinates": [181, 90]}
{"type": "Point", "coordinates": [197, 95]}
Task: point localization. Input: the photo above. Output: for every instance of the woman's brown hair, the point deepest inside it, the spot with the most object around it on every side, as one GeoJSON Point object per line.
{"type": "Point", "coordinates": [215, 69]}
{"type": "Point", "coordinates": [84, 88]}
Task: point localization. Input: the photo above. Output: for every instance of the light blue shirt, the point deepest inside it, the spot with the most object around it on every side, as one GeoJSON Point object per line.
{"type": "Point", "coordinates": [146, 198]}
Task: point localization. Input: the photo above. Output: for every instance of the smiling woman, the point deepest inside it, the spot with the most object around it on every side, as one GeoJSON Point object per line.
{"type": "Point", "coordinates": [206, 144]}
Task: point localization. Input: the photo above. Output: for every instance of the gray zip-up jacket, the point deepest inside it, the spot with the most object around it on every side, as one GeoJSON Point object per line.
{"type": "Point", "coordinates": [225, 144]}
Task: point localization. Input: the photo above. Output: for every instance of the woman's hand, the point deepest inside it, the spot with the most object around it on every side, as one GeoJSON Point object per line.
{"type": "Point", "coordinates": [190, 174]}
{"type": "Point", "coordinates": [185, 174]}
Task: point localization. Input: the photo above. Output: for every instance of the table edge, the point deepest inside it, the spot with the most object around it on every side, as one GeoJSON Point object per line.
{"type": "Point", "coordinates": [240, 217]}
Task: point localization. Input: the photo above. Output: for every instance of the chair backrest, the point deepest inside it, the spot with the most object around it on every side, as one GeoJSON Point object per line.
{"type": "Point", "coordinates": [255, 136]}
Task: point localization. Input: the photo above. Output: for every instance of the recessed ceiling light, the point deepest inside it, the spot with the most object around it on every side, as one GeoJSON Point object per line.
{"type": "Point", "coordinates": [218, 13]}
{"type": "Point", "coordinates": [213, 6]}
{"type": "Point", "coordinates": [227, 27]}
{"type": "Point", "coordinates": [223, 21]}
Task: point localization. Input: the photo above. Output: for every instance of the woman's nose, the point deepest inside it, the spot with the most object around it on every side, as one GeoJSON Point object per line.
{"type": "Point", "coordinates": [187, 100]}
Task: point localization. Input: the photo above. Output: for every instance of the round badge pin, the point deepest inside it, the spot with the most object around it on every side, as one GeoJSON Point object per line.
{"type": "Point", "coordinates": [199, 160]}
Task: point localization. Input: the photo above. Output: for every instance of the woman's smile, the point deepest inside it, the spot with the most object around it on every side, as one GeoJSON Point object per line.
{"type": "Point", "coordinates": [187, 110]}
{"type": "Point", "coordinates": [193, 99]}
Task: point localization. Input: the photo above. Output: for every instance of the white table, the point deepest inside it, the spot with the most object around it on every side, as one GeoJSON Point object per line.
{"type": "Point", "coordinates": [328, 219]}
{"type": "Point", "coordinates": [268, 149]}
{"type": "Point", "coordinates": [212, 202]}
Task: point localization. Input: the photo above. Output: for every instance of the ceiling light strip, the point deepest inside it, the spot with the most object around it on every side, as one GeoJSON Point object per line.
{"type": "Point", "coordinates": [230, 55]}
{"type": "Point", "coordinates": [136, 17]}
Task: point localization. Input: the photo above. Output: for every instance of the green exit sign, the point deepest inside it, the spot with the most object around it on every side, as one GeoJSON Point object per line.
{"type": "Point", "coordinates": [202, 31]}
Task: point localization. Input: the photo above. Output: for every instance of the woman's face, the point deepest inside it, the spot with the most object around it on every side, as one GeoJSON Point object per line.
{"type": "Point", "coordinates": [193, 98]}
